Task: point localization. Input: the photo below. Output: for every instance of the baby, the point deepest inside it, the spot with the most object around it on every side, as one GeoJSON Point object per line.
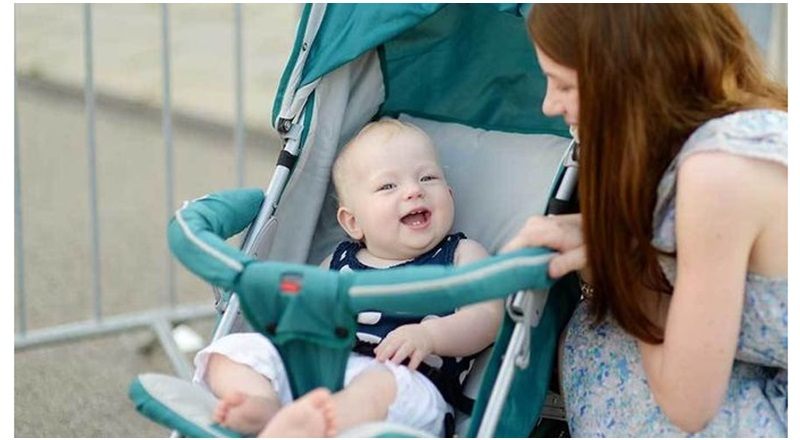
{"type": "Point", "coordinates": [396, 206]}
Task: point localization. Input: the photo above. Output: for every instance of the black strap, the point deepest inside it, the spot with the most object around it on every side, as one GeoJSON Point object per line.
{"type": "Point", "coordinates": [286, 159]}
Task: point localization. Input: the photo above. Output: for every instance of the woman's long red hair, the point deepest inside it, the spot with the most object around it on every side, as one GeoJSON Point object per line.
{"type": "Point", "coordinates": [648, 76]}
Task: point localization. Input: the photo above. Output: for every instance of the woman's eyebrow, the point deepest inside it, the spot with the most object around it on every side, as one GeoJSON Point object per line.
{"type": "Point", "coordinates": [553, 75]}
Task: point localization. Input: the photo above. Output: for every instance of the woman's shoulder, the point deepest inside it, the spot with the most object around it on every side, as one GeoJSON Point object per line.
{"type": "Point", "coordinates": [756, 133]}
{"type": "Point", "coordinates": [739, 136]}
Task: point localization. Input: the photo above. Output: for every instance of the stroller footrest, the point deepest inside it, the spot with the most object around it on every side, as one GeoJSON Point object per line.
{"type": "Point", "coordinates": [177, 404]}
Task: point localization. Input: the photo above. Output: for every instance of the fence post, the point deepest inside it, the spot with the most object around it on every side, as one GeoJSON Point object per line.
{"type": "Point", "coordinates": [166, 121]}
{"type": "Point", "coordinates": [239, 133]}
{"type": "Point", "coordinates": [88, 93]}
{"type": "Point", "coordinates": [19, 257]}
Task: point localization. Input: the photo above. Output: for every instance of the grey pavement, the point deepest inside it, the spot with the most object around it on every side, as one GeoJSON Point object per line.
{"type": "Point", "coordinates": [79, 388]}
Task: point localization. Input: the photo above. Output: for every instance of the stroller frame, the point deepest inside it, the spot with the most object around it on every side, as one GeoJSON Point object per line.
{"type": "Point", "coordinates": [291, 122]}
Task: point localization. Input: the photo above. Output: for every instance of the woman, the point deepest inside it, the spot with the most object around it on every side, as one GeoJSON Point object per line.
{"type": "Point", "coordinates": [683, 242]}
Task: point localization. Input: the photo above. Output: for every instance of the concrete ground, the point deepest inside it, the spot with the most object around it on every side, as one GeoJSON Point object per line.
{"type": "Point", "coordinates": [79, 388]}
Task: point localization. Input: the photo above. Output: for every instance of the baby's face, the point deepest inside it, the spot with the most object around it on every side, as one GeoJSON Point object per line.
{"type": "Point", "coordinates": [395, 197]}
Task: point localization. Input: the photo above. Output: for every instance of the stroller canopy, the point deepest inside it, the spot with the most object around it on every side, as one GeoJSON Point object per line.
{"type": "Point", "coordinates": [467, 63]}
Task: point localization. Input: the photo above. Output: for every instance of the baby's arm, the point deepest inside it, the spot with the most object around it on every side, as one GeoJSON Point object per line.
{"type": "Point", "coordinates": [473, 327]}
{"type": "Point", "coordinates": [468, 331]}
{"type": "Point", "coordinates": [326, 263]}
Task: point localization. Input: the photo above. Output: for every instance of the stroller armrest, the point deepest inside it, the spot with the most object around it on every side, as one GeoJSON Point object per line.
{"type": "Point", "coordinates": [197, 233]}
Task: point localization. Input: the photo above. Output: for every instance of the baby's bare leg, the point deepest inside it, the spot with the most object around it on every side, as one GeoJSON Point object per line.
{"type": "Point", "coordinates": [247, 399]}
{"type": "Point", "coordinates": [312, 415]}
{"type": "Point", "coordinates": [366, 398]}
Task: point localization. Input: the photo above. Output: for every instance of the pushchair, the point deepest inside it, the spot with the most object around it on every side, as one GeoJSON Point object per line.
{"type": "Point", "coordinates": [467, 75]}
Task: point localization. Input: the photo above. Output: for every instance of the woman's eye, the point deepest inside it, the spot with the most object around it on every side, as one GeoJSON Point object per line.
{"type": "Point", "coordinates": [428, 178]}
{"type": "Point", "coordinates": [386, 187]}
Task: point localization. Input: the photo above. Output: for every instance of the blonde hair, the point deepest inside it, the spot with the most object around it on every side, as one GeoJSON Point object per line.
{"type": "Point", "coordinates": [375, 133]}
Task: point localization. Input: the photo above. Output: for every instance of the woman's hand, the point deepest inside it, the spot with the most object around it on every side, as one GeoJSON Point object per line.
{"type": "Point", "coordinates": [561, 233]}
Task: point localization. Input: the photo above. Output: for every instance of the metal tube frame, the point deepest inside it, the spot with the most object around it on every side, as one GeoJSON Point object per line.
{"type": "Point", "coordinates": [522, 307]}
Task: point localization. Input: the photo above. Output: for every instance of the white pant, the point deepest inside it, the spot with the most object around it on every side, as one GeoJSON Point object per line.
{"type": "Point", "coordinates": [418, 403]}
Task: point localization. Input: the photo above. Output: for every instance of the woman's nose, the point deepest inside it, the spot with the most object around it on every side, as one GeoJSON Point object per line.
{"type": "Point", "coordinates": [551, 107]}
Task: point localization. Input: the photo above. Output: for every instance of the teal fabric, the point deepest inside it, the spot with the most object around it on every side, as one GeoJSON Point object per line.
{"type": "Point", "coordinates": [313, 329]}
{"type": "Point", "coordinates": [212, 219]}
{"type": "Point", "coordinates": [437, 289]}
{"type": "Point", "coordinates": [529, 386]}
{"type": "Point", "coordinates": [471, 64]}
{"type": "Point", "coordinates": [466, 63]}
{"type": "Point", "coordinates": [351, 29]}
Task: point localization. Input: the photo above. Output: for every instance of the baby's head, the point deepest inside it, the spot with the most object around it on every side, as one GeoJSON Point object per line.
{"type": "Point", "coordinates": [392, 193]}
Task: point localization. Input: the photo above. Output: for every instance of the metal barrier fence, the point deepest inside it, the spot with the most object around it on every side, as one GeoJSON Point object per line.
{"type": "Point", "coordinates": [160, 320]}
{"type": "Point", "coordinates": [770, 29]}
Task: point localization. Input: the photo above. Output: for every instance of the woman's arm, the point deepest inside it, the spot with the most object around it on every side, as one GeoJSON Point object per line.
{"type": "Point", "coordinates": [720, 211]}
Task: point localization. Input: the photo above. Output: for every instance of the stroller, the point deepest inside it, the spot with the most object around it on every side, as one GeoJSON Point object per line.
{"type": "Point", "coordinates": [464, 73]}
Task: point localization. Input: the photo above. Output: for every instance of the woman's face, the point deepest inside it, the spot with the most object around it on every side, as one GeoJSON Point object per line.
{"type": "Point", "coordinates": [562, 89]}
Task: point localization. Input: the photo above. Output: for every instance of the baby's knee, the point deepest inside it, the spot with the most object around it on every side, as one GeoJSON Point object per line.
{"type": "Point", "coordinates": [219, 366]}
{"type": "Point", "coordinates": [380, 385]}
{"type": "Point", "coordinates": [218, 360]}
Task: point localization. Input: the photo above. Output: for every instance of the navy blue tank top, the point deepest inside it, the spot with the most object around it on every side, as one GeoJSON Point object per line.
{"type": "Point", "coordinates": [374, 326]}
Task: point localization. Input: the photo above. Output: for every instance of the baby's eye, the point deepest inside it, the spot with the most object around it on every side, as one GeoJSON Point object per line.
{"type": "Point", "coordinates": [428, 178]}
{"type": "Point", "coordinates": [386, 187]}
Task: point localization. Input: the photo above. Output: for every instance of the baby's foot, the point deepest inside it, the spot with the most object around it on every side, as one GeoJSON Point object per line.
{"type": "Point", "coordinates": [310, 416]}
{"type": "Point", "coordinates": [244, 413]}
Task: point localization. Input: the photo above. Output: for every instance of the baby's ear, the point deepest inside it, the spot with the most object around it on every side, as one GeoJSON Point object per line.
{"type": "Point", "coordinates": [349, 223]}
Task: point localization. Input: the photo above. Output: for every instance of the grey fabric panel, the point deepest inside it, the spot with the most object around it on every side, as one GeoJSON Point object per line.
{"type": "Point", "coordinates": [344, 101]}
{"type": "Point", "coordinates": [498, 179]}
{"type": "Point", "coordinates": [264, 238]}
{"type": "Point", "coordinates": [189, 401]}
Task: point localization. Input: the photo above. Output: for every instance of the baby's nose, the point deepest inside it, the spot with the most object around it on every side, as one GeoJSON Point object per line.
{"type": "Point", "coordinates": [414, 192]}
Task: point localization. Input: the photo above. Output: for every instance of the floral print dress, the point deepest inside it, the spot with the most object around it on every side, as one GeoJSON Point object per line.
{"type": "Point", "coordinates": [603, 380]}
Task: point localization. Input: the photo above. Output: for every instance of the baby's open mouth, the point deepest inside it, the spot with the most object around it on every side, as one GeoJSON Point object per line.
{"type": "Point", "coordinates": [417, 217]}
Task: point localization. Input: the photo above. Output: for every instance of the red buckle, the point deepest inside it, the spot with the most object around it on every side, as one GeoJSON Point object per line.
{"type": "Point", "coordinates": [290, 284]}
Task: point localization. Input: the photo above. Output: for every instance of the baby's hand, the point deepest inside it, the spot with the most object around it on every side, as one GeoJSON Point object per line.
{"type": "Point", "coordinates": [411, 341]}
